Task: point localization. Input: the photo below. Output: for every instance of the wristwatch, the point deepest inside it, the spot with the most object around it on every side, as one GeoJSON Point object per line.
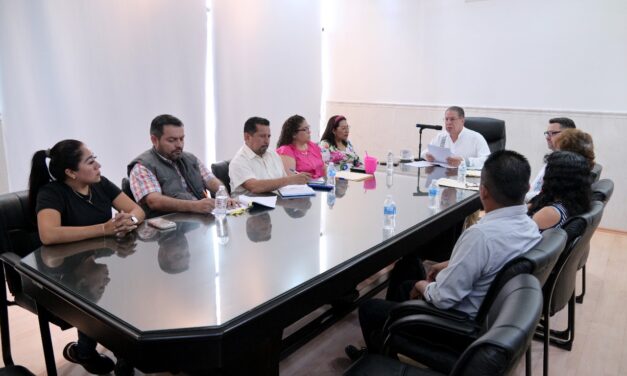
{"type": "Point", "coordinates": [134, 220]}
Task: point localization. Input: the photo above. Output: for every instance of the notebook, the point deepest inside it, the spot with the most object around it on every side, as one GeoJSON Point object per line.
{"type": "Point", "coordinates": [296, 190]}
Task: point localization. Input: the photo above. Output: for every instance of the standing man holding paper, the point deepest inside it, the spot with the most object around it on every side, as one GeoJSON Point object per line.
{"type": "Point", "coordinates": [465, 144]}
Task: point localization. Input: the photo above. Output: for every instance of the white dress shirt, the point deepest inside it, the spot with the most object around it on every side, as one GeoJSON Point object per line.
{"type": "Point", "coordinates": [479, 255]}
{"type": "Point", "coordinates": [246, 165]}
{"type": "Point", "coordinates": [470, 145]}
{"type": "Point", "coordinates": [536, 185]}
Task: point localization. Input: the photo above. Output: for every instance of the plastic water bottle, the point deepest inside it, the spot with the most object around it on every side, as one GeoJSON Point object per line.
{"type": "Point", "coordinates": [222, 230]}
{"type": "Point", "coordinates": [221, 199]}
{"type": "Point", "coordinates": [390, 162]}
{"type": "Point", "coordinates": [331, 198]}
{"type": "Point", "coordinates": [433, 195]}
{"type": "Point", "coordinates": [389, 213]}
{"type": "Point", "coordinates": [389, 179]}
{"type": "Point", "coordinates": [331, 172]}
{"type": "Point", "coordinates": [461, 171]}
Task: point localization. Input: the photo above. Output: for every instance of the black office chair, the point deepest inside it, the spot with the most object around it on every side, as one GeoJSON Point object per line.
{"type": "Point", "coordinates": [438, 347]}
{"type": "Point", "coordinates": [601, 191]}
{"type": "Point", "coordinates": [509, 327]}
{"type": "Point", "coordinates": [19, 237]}
{"type": "Point", "coordinates": [126, 188]}
{"type": "Point", "coordinates": [559, 289]}
{"type": "Point", "coordinates": [493, 130]}
{"type": "Point", "coordinates": [9, 369]}
{"type": "Point", "coordinates": [221, 171]}
{"type": "Point", "coordinates": [595, 173]}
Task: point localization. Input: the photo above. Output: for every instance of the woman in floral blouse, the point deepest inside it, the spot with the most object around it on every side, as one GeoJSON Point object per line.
{"type": "Point", "coordinates": [335, 145]}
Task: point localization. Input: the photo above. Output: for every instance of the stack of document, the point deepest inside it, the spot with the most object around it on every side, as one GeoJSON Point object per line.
{"type": "Point", "coordinates": [296, 190]}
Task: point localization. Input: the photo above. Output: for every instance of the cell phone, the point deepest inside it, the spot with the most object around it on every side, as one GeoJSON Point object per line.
{"type": "Point", "coordinates": [161, 224]}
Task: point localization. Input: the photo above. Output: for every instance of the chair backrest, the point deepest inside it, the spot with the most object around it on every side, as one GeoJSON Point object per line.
{"type": "Point", "coordinates": [561, 283]}
{"type": "Point", "coordinates": [126, 188]}
{"type": "Point", "coordinates": [602, 190]}
{"type": "Point", "coordinates": [18, 232]}
{"type": "Point", "coordinates": [221, 171]}
{"type": "Point", "coordinates": [538, 261]}
{"type": "Point", "coordinates": [595, 173]}
{"type": "Point", "coordinates": [493, 130]}
{"type": "Point", "coordinates": [516, 311]}
{"type": "Point", "coordinates": [18, 227]}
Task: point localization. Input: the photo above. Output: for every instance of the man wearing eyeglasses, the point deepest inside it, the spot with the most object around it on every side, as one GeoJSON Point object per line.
{"type": "Point", "coordinates": [556, 126]}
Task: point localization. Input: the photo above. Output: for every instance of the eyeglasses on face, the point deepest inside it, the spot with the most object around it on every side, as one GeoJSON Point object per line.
{"type": "Point", "coordinates": [344, 128]}
{"type": "Point", "coordinates": [305, 129]}
{"type": "Point", "coordinates": [551, 133]}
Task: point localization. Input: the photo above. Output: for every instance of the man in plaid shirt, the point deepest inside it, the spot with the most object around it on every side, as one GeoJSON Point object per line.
{"type": "Point", "coordinates": [166, 179]}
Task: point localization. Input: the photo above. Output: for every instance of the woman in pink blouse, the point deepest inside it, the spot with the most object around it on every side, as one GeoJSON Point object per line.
{"type": "Point", "coordinates": [296, 149]}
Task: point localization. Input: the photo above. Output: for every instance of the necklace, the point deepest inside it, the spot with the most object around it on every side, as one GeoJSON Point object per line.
{"type": "Point", "coordinates": [88, 198]}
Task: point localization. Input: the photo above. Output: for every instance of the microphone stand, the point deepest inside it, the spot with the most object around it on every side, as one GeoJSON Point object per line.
{"type": "Point", "coordinates": [420, 143]}
{"type": "Point", "coordinates": [418, 193]}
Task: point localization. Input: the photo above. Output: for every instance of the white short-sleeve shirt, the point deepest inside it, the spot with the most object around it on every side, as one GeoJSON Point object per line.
{"type": "Point", "coordinates": [470, 145]}
{"type": "Point", "coordinates": [246, 165]}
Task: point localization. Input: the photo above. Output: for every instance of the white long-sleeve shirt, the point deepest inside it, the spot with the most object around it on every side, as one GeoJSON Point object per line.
{"type": "Point", "coordinates": [479, 255]}
{"type": "Point", "coordinates": [536, 185]}
{"type": "Point", "coordinates": [470, 145]}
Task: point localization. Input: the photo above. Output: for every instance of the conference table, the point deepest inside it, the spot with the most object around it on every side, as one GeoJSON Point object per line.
{"type": "Point", "coordinates": [214, 296]}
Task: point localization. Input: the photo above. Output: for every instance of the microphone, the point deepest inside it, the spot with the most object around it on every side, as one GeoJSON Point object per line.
{"type": "Point", "coordinates": [425, 126]}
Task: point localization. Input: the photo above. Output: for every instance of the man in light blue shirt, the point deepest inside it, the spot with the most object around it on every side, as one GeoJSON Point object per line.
{"type": "Point", "coordinates": [504, 233]}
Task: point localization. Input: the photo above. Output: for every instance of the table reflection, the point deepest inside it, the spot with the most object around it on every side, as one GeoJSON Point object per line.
{"type": "Point", "coordinates": [173, 254]}
{"type": "Point", "coordinates": [296, 207]}
{"type": "Point", "coordinates": [207, 272]}
{"type": "Point", "coordinates": [259, 227]}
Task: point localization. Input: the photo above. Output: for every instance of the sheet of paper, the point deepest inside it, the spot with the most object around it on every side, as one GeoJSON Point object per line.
{"type": "Point", "coordinates": [440, 155]}
{"type": "Point", "coordinates": [296, 190]}
{"type": "Point", "coordinates": [354, 176]}
{"type": "Point", "coordinates": [419, 164]}
{"type": "Point", "coordinates": [267, 201]}
{"type": "Point", "coordinates": [458, 184]}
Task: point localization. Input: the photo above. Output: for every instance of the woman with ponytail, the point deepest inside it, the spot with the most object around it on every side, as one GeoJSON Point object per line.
{"type": "Point", "coordinates": [73, 202]}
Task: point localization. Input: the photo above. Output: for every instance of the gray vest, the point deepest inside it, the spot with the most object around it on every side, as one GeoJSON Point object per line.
{"type": "Point", "coordinates": [169, 179]}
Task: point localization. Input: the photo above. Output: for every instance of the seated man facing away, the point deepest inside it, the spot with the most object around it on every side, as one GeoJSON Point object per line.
{"type": "Point", "coordinates": [255, 169]}
{"type": "Point", "coordinates": [166, 179]}
{"type": "Point", "coordinates": [465, 144]}
{"type": "Point", "coordinates": [461, 283]}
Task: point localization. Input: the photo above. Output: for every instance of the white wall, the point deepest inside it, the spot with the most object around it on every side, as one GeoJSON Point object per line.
{"type": "Point", "coordinates": [267, 63]}
{"type": "Point", "coordinates": [544, 54]}
{"type": "Point", "coordinates": [99, 71]}
{"type": "Point", "coordinates": [393, 64]}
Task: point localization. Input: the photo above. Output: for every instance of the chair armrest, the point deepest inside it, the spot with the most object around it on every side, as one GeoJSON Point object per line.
{"type": "Point", "coordinates": [10, 258]}
{"type": "Point", "coordinates": [419, 325]}
{"type": "Point", "coordinates": [417, 307]}
{"type": "Point", "coordinates": [433, 341]}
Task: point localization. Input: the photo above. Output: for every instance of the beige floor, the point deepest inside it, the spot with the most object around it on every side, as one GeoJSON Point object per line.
{"type": "Point", "coordinates": [600, 346]}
